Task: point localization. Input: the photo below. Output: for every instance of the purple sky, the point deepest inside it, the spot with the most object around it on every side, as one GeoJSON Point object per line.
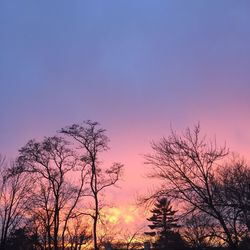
{"type": "Point", "coordinates": [136, 67]}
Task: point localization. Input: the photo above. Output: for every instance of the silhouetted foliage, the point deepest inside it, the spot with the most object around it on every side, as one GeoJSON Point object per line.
{"type": "Point", "coordinates": [187, 164]}
{"type": "Point", "coordinates": [22, 239]}
{"type": "Point", "coordinates": [234, 181]}
{"type": "Point", "coordinates": [198, 230]}
{"type": "Point", "coordinates": [78, 235]}
{"type": "Point", "coordinates": [43, 194]}
{"type": "Point", "coordinates": [164, 224]}
{"type": "Point", "coordinates": [162, 219]}
{"type": "Point", "coordinates": [14, 199]}
{"type": "Point", "coordinates": [55, 197]}
{"type": "Point", "coordinates": [245, 243]}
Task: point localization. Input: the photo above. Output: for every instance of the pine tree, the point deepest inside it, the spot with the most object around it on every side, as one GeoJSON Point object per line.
{"type": "Point", "coordinates": [164, 224]}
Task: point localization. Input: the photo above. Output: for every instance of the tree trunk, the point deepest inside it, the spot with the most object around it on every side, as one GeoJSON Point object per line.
{"type": "Point", "coordinates": [95, 221]}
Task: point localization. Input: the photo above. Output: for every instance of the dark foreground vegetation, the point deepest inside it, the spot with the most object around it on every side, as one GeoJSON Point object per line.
{"type": "Point", "coordinates": [210, 186]}
{"type": "Point", "coordinates": [44, 192]}
{"type": "Point", "coordinates": [51, 195]}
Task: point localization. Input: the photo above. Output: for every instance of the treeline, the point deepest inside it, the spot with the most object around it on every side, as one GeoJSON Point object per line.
{"type": "Point", "coordinates": [42, 191]}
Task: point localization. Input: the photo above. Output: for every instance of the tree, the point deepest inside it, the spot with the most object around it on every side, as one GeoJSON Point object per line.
{"type": "Point", "coordinates": [187, 165]}
{"type": "Point", "coordinates": [234, 180]}
{"type": "Point", "coordinates": [22, 239]}
{"type": "Point", "coordinates": [133, 238]}
{"type": "Point", "coordinates": [162, 219]}
{"type": "Point", "coordinates": [78, 235]}
{"type": "Point", "coordinates": [14, 193]}
{"type": "Point", "coordinates": [163, 223]}
{"type": "Point", "coordinates": [93, 140]}
{"type": "Point", "coordinates": [234, 183]}
{"type": "Point", "coordinates": [59, 186]}
{"type": "Point", "coordinates": [199, 231]}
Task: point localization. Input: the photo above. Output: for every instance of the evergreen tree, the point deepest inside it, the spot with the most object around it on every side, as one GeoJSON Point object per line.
{"type": "Point", "coordinates": [163, 225]}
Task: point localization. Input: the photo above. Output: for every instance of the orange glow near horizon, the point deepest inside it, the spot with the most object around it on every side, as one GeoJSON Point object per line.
{"type": "Point", "coordinates": [127, 216]}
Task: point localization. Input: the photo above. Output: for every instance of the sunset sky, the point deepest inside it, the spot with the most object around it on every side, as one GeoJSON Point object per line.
{"type": "Point", "coordinates": [136, 67]}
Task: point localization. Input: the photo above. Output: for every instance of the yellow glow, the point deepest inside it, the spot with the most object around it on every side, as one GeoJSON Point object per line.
{"type": "Point", "coordinates": [113, 215]}
{"type": "Point", "coordinates": [113, 219]}
{"type": "Point", "coordinates": [128, 219]}
{"type": "Point", "coordinates": [125, 215]}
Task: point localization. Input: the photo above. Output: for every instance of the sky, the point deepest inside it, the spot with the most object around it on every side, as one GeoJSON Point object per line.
{"type": "Point", "coordinates": [136, 67]}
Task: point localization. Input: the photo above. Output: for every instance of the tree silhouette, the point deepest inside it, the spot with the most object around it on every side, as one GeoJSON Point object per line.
{"type": "Point", "coordinates": [235, 184]}
{"type": "Point", "coordinates": [187, 164]}
{"type": "Point", "coordinates": [199, 230]}
{"type": "Point", "coordinates": [23, 239]}
{"type": "Point", "coordinates": [163, 224]}
{"type": "Point", "coordinates": [15, 188]}
{"type": "Point", "coordinates": [56, 193]}
{"type": "Point", "coordinates": [93, 140]}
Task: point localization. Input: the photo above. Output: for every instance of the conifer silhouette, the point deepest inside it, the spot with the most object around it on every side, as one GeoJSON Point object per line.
{"type": "Point", "coordinates": [163, 224]}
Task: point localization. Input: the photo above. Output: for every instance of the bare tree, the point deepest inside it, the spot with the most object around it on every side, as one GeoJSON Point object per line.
{"type": "Point", "coordinates": [132, 237]}
{"type": "Point", "coordinates": [234, 181]}
{"type": "Point", "coordinates": [199, 230]}
{"type": "Point", "coordinates": [187, 165]}
{"type": "Point", "coordinates": [14, 190]}
{"type": "Point", "coordinates": [93, 141]}
{"type": "Point", "coordinates": [60, 178]}
{"type": "Point", "coordinates": [77, 234]}
{"type": "Point", "coordinates": [108, 232]}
